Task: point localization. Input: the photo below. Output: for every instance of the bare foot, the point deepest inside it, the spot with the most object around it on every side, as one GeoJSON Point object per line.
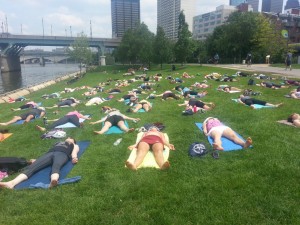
{"type": "Point", "coordinates": [6, 185]}
{"type": "Point", "coordinates": [280, 104]}
{"type": "Point", "coordinates": [217, 147]}
{"type": "Point", "coordinates": [130, 130]}
{"type": "Point", "coordinates": [40, 128]}
{"type": "Point", "coordinates": [3, 124]}
{"type": "Point", "coordinates": [248, 142]}
{"type": "Point", "coordinates": [252, 106]}
{"type": "Point", "coordinates": [97, 132]}
{"type": "Point", "coordinates": [129, 165]}
{"type": "Point", "coordinates": [53, 183]}
{"type": "Point", "coordinates": [165, 166]}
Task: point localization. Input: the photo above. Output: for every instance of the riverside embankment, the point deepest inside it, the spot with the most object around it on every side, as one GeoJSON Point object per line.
{"type": "Point", "coordinates": [26, 91]}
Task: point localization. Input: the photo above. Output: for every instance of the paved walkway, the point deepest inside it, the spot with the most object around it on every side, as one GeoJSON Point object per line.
{"type": "Point", "coordinates": [262, 68]}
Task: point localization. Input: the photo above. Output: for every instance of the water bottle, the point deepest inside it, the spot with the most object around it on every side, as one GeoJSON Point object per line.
{"type": "Point", "coordinates": [118, 141]}
{"type": "Point", "coordinates": [45, 121]}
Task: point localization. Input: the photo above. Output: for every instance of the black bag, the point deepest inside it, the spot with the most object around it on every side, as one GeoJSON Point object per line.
{"type": "Point", "coordinates": [12, 164]}
{"type": "Point", "coordinates": [197, 149]}
{"type": "Point", "coordinates": [251, 82]}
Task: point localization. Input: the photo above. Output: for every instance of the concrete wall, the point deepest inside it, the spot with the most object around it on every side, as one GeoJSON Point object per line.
{"type": "Point", "coordinates": [10, 63]}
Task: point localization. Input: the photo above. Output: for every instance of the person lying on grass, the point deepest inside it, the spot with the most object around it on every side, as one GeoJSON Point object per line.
{"type": "Point", "coordinates": [33, 113]}
{"type": "Point", "coordinates": [197, 105]}
{"type": "Point", "coordinates": [2, 132]}
{"type": "Point", "coordinates": [153, 140]}
{"type": "Point", "coordinates": [271, 85]}
{"type": "Point", "coordinates": [57, 156]}
{"type": "Point", "coordinates": [27, 105]}
{"type": "Point", "coordinates": [214, 128]}
{"type": "Point", "coordinates": [143, 104]}
{"type": "Point", "coordinates": [247, 100]}
{"type": "Point", "coordinates": [168, 94]}
{"type": "Point", "coordinates": [65, 102]}
{"type": "Point", "coordinates": [114, 118]}
{"type": "Point", "coordinates": [71, 117]}
{"type": "Point", "coordinates": [295, 94]}
{"type": "Point", "coordinates": [227, 88]}
{"type": "Point", "coordinates": [294, 119]}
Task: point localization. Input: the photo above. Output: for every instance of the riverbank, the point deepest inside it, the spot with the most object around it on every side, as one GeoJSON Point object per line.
{"type": "Point", "coordinates": [25, 91]}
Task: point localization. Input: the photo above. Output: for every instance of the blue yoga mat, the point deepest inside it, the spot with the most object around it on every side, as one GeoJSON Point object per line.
{"type": "Point", "coordinates": [227, 144]}
{"type": "Point", "coordinates": [43, 176]}
{"type": "Point", "coordinates": [256, 106]}
{"type": "Point", "coordinates": [115, 129]}
{"type": "Point", "coordinates": [70, 125]}
{"type": "Point", "coordinates": [22, 121]}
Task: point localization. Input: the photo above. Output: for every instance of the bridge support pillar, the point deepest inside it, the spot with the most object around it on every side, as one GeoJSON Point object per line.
{"type": "Point", "coordinates": [102, 60]}
{"type": "Point", "coordinates": [10, 63]}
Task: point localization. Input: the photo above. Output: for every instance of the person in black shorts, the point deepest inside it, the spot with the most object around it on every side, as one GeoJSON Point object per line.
{"type": "Point", "coordinates": [33, 113]}
{"type": "Point", "coordinates": [247, 100]}
{"type": "Point", "coordinates": [114, 118]}
{"type": "Point", "coordinates": [66, 102]}
{"type": "Point", "coordinates": [56, 157]}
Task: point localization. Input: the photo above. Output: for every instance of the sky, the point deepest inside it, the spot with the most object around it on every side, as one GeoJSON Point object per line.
{"type": "Point", "coordinates": [70, 17]}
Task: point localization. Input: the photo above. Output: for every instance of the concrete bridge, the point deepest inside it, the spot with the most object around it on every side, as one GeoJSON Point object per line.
{"type": "Point", "coordinates": [12, 45]}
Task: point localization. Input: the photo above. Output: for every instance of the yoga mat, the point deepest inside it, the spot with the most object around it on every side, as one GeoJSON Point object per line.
{"type": "Point", "coordinates": [256, 106]}
{"type": "Point", "coordinates": [70, 125]}
{"type": "Point", "coordinates": [7, 135]}
{"type": "Point", "coordinates": [227, 144]}
{"type": "Point", "coordinates": [22, 121]}
{"type": "Point", "coordinates": [43, 176]}
{"type": "Point", "coordinates": [149, 160]}
{"type": "Point", "coordinates": [286, 123]}
{"type": "Point", "coordinates": [115, 129]}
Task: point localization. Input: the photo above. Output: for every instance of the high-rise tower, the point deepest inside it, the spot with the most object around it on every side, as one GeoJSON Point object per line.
{"type": "Point", "coordinates": [125, 14]}
{"type": "Point", "coordinates": [291, 4]}
{"type": "Point", "coordinates": [254, 4]}
{"type": "Point", "coordinates": [168, 12]}
{"type": "Point", "coordinates": [236, 2]}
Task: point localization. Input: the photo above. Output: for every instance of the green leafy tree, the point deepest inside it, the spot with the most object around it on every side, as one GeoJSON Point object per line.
{"type": "Point", "coordinates": [162, 47]}
{"type": "Point", "coordinates": [127, 51]}
{"type": "Point", "coordinates": [80, 50]}
{"type": "Point", "coordinates": [183, 46]}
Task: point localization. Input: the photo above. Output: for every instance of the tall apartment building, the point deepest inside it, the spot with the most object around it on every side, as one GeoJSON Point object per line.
{"type": "Point", "coordinates": [274, 6]}
{"type": "Point", "coordinates": [168, 13]}
{"type": "Point", "coordinates": [291, 4]}
{"type": "Point", "coordinates": [236, 2]}
{"type": "Point", "coordinates": [206, 23]}
{"type": "Point", "coordinates": [125, 14]}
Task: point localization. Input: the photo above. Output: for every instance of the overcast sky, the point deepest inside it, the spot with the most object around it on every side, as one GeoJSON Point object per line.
{"type": "Point", "coordinates": [63, 17]}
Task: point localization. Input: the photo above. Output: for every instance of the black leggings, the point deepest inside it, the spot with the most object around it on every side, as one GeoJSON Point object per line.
{"type": "Point", "coordinates": [56, 159]}
{"type": "Point", "coordinates": [252, 101]}
{"type": "Point", "coordinates": [27, 106]}
{"type": "Point", "coordinates": [71, 118]}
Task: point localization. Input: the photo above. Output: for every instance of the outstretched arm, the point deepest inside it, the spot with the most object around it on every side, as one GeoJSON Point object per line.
{"type": "Point", "coordinates": [75, 154]}
{"type": "Point", "coordinates": [99, 121]}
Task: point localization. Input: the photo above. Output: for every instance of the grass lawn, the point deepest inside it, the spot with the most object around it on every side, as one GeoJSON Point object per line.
{"type": "Point", "coordinates": [294, 66]}
{"type": "Point", "coordinates": [253, 186]}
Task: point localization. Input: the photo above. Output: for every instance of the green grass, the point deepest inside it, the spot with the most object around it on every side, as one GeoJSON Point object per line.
{"type": "Point", "coordinates": [294, 66]}
{"type": "Point", "coordinates": [253, 186]}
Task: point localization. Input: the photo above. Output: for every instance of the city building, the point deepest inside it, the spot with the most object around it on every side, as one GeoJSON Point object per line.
{"type": "Point", "coordinates": [291, 4]}
{"type": "Point", "coordinates": [206, 23]}
{"type": "Point", "coordinates": [125, 14]}
{"type": "Point", "coordinates": [168, 15]}
{"type": "Point", "coordinates": [236, 2]}
{"type": "Point", "coordinates": [274, 6]}
{"type": "Point", "coordinates": [254, 4]}
{"type": "Point", "coordinates": [244, 7]}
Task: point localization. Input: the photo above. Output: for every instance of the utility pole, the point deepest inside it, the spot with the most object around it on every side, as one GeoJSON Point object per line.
{"type": "Point", "coordinates": [51, 29]}
{"type": "Point", "coordinates": [71, 31]}
{"type": "Point", "coordinates": [91, 31]}
{"type": "Point", "coordinates": [21, 29]}
{"type": "Point", "coordinates": [43, 26]}
{"type": "Point", "coordinates": [6, 24]}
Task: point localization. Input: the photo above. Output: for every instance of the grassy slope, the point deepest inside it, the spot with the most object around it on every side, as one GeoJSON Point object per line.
{"type": "Point", "coordinates": [257, 186]}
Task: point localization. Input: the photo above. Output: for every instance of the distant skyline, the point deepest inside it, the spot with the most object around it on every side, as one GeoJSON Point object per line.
{"type": "Point", "coordinates": [65, 17]}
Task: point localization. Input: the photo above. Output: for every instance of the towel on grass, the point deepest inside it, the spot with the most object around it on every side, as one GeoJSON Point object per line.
{"type": "Point", "coordinates": [7, 135]}
{"type": "Point", "coordinates": [227, 144]}
{"type": "Point", "coordinates": [286, 123]}
{"type": "Point", "coordinates": [71, 125]}
{"type": "Point", "coordinates": [149, 160]}
{"type": "Point", "coordinates": [256, 106]}
{"type": "Point", "coordinates": [43, 176]}
{"type": "Point", "coordinates": [115, 129]}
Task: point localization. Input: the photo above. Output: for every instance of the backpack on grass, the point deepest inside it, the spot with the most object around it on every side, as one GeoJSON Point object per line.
{"type": "Point", "coordinates": [55, 133]}
{"type": "Point", "coordinates": [197, 149]}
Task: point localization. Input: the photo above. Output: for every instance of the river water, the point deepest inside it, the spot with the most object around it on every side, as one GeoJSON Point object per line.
{"type": "Point", "coordinates": [32, 74]}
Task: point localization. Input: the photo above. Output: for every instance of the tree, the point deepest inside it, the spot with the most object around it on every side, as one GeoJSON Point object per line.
{"type": "Point", "coordinates": [80, 50]}
{"type": "Point", "coordinates": [183, 46]}
{"type": "Point", "coordinates": [162, 49]}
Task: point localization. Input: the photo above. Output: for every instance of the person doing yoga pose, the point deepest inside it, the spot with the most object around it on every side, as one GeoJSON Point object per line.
{"type": "Point", "coordinates": [214, 128]}
{"type": "Point", "coordinates": [294, 119]}
{"type": "Point", "coordinates": [57, 156]}
{"type": "Point", "coordinates": [251, 101]}
{"type": "Point", "coordinates": [114, 118]}
{"type": "Point", "coordinates": [155, 140]}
